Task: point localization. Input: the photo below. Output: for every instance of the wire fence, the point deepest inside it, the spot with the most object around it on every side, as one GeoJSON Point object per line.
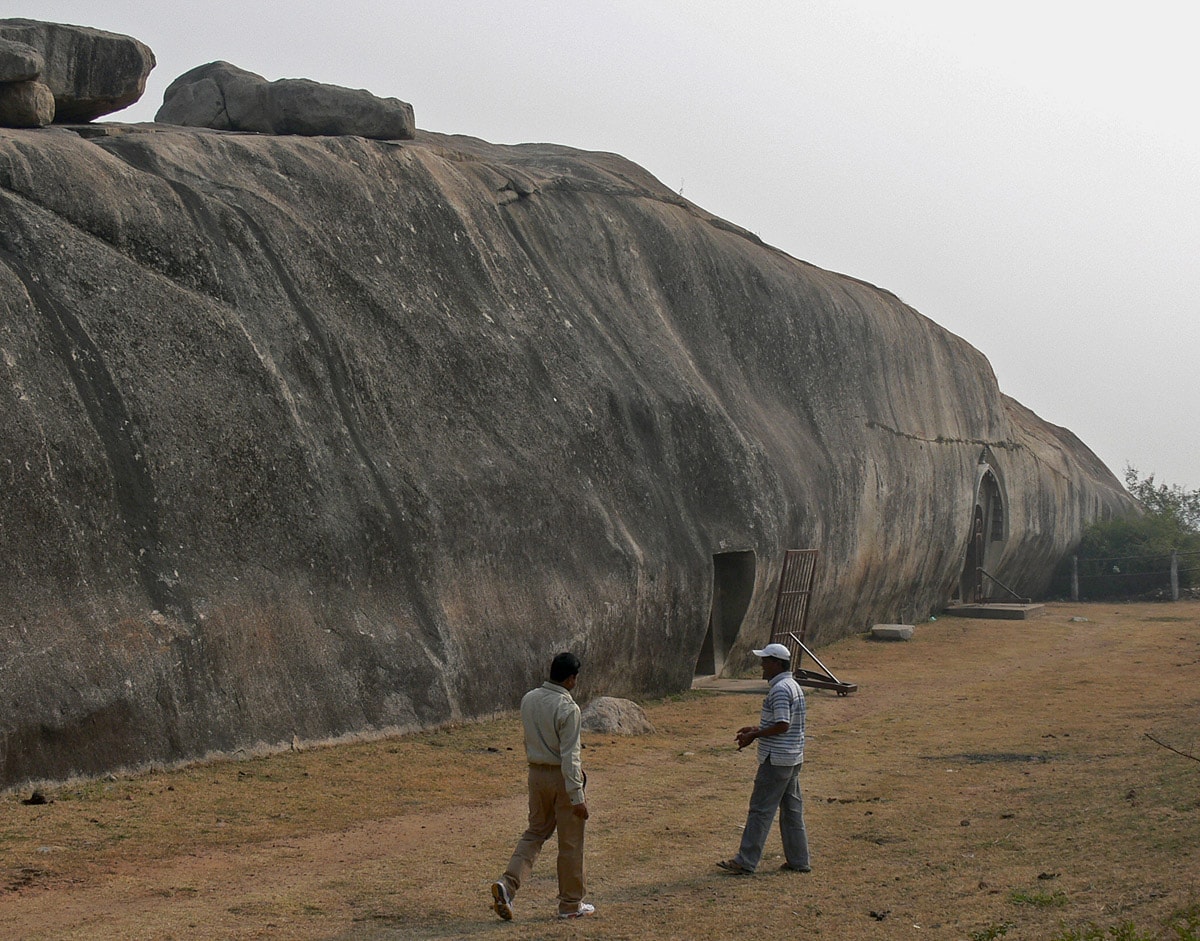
{"type": "Point", "coordinates": [1123, 575]}
{"type": "Point", "coordinates": [1159, 555]}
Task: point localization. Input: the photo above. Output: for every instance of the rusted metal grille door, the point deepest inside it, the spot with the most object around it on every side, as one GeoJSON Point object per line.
{"type": "Point", "coordinates": [791, 604]}
{"type": "Point", "coordinates": [791, 621]}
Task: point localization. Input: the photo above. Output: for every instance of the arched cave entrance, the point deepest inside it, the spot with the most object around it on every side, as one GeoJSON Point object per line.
{"type": "Point", "coordinates": [989, 531]}
{"type": "Point", "coordinates": [733, 587]}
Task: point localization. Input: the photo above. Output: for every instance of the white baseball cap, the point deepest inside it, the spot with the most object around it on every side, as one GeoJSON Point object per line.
{"type": "Point", "coordinates": [778, 651]}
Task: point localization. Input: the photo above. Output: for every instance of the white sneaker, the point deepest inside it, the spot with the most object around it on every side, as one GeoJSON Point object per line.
{"type": "Point", "coordinates": [582, 911]}
{"type": "Point", "coordinates": [501, 901]}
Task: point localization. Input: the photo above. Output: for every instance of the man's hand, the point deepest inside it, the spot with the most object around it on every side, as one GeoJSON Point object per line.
{"type": "Point", "coordinates": [580, 810]}
{"type": "Point", "coordinates": [748, 733]}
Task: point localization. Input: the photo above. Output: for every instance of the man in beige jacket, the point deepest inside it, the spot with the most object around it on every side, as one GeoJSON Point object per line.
{"type": "Point", "coordinates": [556, 797]}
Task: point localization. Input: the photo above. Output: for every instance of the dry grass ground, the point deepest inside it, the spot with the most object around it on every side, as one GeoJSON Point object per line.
{"type": "Point", "coordinates": [989, 779]}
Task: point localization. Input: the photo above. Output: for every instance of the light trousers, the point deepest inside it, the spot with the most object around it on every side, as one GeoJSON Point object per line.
{"type": "Point", "coordinates": [776, 788]}
{"type": "Point", "coordinates": [549, 810]}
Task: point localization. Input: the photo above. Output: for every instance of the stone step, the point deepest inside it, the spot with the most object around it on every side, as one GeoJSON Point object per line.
{"type": "Point", "coordinates": [1008, 612]}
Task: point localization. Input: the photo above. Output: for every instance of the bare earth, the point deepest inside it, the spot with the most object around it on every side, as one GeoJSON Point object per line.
{"type": "Point", "coordinates": [989, 779]}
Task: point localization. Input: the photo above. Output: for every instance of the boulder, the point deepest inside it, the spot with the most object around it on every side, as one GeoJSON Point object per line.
{"type": "Point", "coordinates": [19, 62]}
{"type": "Point", "coordinates": [91, 72]}
{"type": "Point", "coordinates": [614, 716]}
{"type": "Point", "coordinates": [25, 104]}
{"type": "Point", "coordinates": [222, 96]}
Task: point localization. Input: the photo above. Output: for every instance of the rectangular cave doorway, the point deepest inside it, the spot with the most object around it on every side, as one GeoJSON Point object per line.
{"type": "Point", "coordinates": [733, 587]}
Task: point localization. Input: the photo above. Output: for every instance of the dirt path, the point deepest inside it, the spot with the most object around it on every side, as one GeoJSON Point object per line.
{"type": "Point", "coordinates": [989, 779]}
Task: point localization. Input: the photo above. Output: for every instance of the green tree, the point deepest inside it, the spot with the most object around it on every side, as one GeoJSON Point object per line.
{"type": "Point", "coordinates": [1131, 555]}
{"type": "Point", "coordinates": [1172, 502]}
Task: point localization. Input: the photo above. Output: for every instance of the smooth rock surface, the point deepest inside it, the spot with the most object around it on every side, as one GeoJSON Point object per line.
{"type": "Point", "coordinates": [614, 716]}
{"type": "Point", "coordinates": [313, 435]}
{"type": "Point", "coordinates": [222, 96]}
{"type": "Point", "coordinates": [91, 72]}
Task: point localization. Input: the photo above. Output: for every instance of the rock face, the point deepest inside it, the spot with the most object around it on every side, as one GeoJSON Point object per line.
{"type": "Point", "coordinates": [311, 435]}
{"type": "Point", "coordinates": [90, 72]}
{"type": "Point", "coordinates": [222, 96]}
{"type": "Point", "coordinates": [614, 716]}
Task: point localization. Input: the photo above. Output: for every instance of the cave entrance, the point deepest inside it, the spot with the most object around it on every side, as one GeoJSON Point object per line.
{"type": "Point", "coordinates": [733, 587]}
{"type": "Point", "coordinates": [989, 532]}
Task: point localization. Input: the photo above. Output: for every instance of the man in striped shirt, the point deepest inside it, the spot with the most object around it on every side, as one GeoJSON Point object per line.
{"type": "Point", "coordinates": [780, 737]}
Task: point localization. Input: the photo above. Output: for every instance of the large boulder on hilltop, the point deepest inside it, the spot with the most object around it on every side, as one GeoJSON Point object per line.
{"type": "Point", "coordinates": [222, 96]}
{"type": "Point", "coordinates": [26, 104]}
{"type": "Point", "coordinates": [19, 62]}
{"type": "Point", "coordinates": [91, 72]}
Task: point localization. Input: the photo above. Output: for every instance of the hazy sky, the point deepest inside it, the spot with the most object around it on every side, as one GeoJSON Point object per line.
{"type": "Point", "coordinates": [1025, 174]}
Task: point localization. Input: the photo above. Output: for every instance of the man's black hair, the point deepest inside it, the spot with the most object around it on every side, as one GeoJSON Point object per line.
{"type": "Point", "coordinates": [563, 666]}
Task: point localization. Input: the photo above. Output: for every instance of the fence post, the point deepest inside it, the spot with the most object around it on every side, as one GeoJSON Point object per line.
{"type": "Point", "coordinates": [1174, 574]}
{"type": "Point", "coordinates": [1074, 578]}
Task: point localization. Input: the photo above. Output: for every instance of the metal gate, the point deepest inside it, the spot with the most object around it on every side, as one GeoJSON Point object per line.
{"type": "Point", "coordinates": [791, 603]}
{"type": "Point", "coordinates": [791, 620]}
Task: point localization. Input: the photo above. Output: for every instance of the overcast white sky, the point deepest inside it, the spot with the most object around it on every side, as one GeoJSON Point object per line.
{"type": "Point", "coordinates": [1026, 174]}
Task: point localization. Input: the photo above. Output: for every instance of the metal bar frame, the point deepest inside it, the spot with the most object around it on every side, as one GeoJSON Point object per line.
{"type": "Point", "coordinates": [1021, 598]}
{"type": "Point", "coordinates": [790, 624]}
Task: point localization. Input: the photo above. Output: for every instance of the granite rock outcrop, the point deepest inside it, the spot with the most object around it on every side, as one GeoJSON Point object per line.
{"type": "Point", "coordinates": [307, 436]}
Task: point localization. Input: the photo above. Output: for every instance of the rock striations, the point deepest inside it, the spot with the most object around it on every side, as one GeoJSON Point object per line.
{"type": "Point", "coordinates": [313, 435]}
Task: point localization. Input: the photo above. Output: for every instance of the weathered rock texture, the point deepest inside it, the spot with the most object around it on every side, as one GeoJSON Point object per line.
{"type": "Point", "coordinates": [90, 72]}
{"type": "Point", "coordinates": [312, 435]}
{"type": "Point", "coordinates": [25, 104]}
{"type": "Point", "coordinates": [614, 716]}
{"type": "Point", "coordinates": [19, 62]}
{"type": "Point", "coordinates": [223, 97]}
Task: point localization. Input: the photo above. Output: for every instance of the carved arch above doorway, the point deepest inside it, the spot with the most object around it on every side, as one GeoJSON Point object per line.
{"type": "Point", "coordinates": [990, 528]}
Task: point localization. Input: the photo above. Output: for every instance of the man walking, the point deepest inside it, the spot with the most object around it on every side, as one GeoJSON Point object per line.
{"type": "Point", "coordinates": [780, 737]}
{"type": "Point", "coordinates": [550, 717]}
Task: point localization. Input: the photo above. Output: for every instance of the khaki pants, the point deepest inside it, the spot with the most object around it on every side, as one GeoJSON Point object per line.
{"type": "Point", "coordinates": [550, 809]}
